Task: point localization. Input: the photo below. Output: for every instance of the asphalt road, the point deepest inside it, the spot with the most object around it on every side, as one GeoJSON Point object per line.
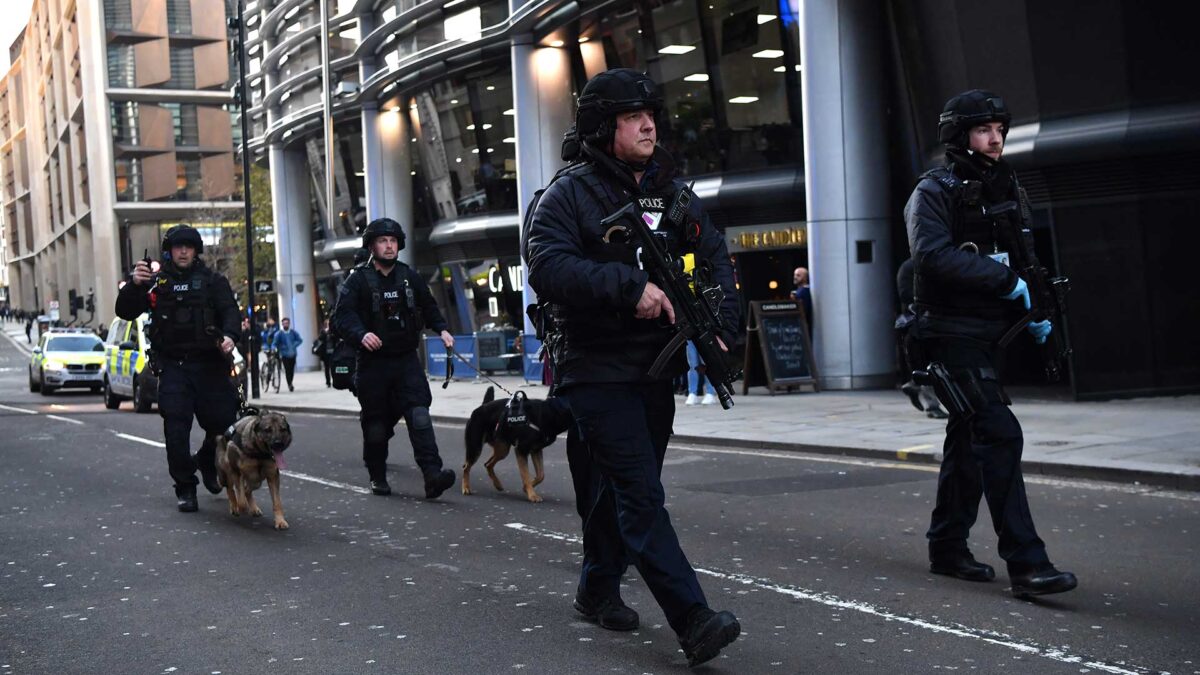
{"type": "Point", "coordinates": [822, 559]}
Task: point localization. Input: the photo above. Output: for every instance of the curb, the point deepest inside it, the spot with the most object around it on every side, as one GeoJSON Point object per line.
{"type": "Point", "coordinates": [1171, 480]}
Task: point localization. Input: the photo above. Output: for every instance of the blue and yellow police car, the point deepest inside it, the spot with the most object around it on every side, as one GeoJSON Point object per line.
{"type": "Point", "coordinates": [126, 373]}
{"type": "Point", "coordinates": [66, 357]}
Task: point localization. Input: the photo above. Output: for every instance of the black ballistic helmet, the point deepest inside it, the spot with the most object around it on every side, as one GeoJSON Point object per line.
{"type": "Point", "coordinates": [970, 109]}
{"type": "Point", "coordinates": [614, 91]}
{"type": "Point", "coordinates": [380, 227]}
{"type": "Point", "coordinates": [183, 234]}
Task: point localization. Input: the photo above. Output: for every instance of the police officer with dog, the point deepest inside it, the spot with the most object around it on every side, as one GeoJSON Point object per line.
{"type": "Point", "coordinates": [608, 323]}
{"type": "Point", "coordinates": [382, 307]}
{"type": "Point", "coordinates": [194, 325]}
{"type": "Point", "coordinates": [967, 296]}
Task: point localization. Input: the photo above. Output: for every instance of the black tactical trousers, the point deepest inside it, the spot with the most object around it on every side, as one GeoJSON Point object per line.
{"type": "Point", "coordinates": [200, 389]}
{"type": "Point", "coordinates": [981, 457]}
{"type": "Point", "coordinates": [388, 388]}
{"type": "Point", "coordinates": [616, 456]}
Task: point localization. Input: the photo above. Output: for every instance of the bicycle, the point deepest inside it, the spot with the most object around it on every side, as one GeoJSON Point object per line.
{"type": "Point", "coordinates": [271, 372]}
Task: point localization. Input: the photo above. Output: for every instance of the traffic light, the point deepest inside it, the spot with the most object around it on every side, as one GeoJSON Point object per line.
{"type": "Point", "coordinates": [90, 304]}
{"type": "Point", "coordinates": [73, 301]}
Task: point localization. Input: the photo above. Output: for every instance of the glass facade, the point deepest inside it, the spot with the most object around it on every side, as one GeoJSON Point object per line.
{"type": "Point", "coordinates": [466, 149]}
{"type": "Point", "coordinates": [729, 70]}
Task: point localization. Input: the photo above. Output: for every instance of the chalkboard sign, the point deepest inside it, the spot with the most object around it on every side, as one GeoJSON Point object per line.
{"type": "Point", "coordinates": [784, 358]}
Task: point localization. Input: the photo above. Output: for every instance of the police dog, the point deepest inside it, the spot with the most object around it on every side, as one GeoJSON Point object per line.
{"type": "Point", "coordinates": [525, 425]}
{"type": "Point", "coordinates": [248, 453]}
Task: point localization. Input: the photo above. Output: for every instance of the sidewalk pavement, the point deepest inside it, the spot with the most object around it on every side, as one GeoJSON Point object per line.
{"type": "Point", "coordinates": [1151, 441]}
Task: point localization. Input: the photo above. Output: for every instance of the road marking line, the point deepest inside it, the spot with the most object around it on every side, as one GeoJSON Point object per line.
{"type": "Point", "coordinates": [139, 439]}
{"type": "Point", "coordinates": [20, 410]}
{"type": "Point", "coordinates": [64, 419]}
{"type": "Point", "coordinates": [958, 630]}
{"type": "Point", "coordinates": [914, 448]}
{"type": "Point", "coordinates": [325, 481]}
{"type": "Point", "coordinates": [1143, 490]}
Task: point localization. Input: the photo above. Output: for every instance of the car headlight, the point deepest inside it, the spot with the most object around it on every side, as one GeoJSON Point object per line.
{"type": "Point", "coordinates": [55, 365]}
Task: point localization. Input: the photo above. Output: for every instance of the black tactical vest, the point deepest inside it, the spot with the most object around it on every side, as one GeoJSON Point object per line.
{"type": "Point", "coordinates": [973, 231]}
{"type": "Point", "coordinates": [393, 306]}
{"type": "Point", "coordinates": [183, 320]}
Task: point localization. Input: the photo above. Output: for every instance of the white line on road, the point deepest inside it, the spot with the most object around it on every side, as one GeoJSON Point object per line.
{"type": "Point", "coordinates": [139, 439]}
{"type": "Point", "coordinates": [65, 419]}
{"type": "Point", "coordinates": [1143, 490]}
{"type": "Point", "coordinates": [325, 481]}
{"type": "Point", "coordinates": [20, 410]}
{"type": "Point", "coordinates": [957, 630]}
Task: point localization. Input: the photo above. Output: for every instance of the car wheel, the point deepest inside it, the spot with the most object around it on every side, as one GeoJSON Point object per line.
{"type": "Point", "coordinates": [34, 386]}
{"type": "Point", "coordinates": [140, 403]}
{"type": "Point", "coordinates": [111, 400]}
{"type": "Point", "coordinates": [46, 389]}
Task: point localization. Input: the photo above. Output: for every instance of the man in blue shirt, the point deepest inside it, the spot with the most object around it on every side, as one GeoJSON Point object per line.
{"type": "Point", "coordinates": [285, 341]}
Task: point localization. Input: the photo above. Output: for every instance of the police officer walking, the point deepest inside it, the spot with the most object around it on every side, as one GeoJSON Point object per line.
{"type": "Point", "coordinates": [194, 325]}
{"type": "Point", "coordinates": [611, 322]}
{"type": "Point", "coordinates": [966, 297]}
{"type": "Point", "coordinates": [382, 307]}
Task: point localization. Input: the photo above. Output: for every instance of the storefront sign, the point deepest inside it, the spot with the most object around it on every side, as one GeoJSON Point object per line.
{"type": "Point", "coordinates": [516, 279]}
{"type": "Point", "coordinates": [763, 237]}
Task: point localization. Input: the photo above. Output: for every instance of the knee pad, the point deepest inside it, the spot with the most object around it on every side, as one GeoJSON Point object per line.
{"type": "Point", "coordinates": [419, 418]}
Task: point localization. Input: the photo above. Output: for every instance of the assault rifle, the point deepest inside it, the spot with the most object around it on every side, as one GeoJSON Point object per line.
{"type": "Point", "coordinates": [694, 295]}
{"type": "Point", "coordinates": [1047, 295]}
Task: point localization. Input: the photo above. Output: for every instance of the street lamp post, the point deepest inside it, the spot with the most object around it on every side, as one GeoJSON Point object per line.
{"type": "Point", "coordinates": [243, 98]}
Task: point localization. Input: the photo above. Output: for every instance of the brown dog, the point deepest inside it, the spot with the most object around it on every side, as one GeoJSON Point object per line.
{"type": "Point", "coordinates": [249, 453]}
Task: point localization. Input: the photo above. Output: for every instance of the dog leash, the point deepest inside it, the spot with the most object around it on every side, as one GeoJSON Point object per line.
{"type": "Point", "coordinates": [450, 371]}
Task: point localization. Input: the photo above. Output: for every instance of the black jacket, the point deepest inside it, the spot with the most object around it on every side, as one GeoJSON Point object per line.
{"type": "Point", "coordinates": [975, 282]}
{"type": "Point", "coordinates": [593, 290]}
{"type": "Point", "coordinates": [133, 300]}
{"type": "Point", "coordinates": [352, 317]}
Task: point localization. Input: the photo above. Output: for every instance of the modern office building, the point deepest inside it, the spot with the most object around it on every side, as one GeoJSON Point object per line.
{"type": "Point", "coordinates": [804, 124]}
{"type": "Point", "coordinates": [114, 123]}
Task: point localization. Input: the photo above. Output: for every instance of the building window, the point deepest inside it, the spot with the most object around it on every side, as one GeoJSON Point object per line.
{"type": "Point", "coordinates": [729, 71]}
{"type": "Point", "coordinates": [465, 136]}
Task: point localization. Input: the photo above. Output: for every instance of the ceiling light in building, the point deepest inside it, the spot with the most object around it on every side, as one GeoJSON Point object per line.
{"type": "Point", "coordinates": [470, 127]}
{"type": "Point", "coordinates": [696, 77]}
{"type": "Point", "coordinates": [510, 139]}
{"type": "Point", "coordinates": [583, 40]}
{"type": "Point", "coordinates": [412, 173]}
{"type": "Point", "coordinates": [486, 126]}
{"type": "Point", "coordinates": [676, 49]}
{"type": "Point", "coordinates": [491, 150]}
{"type": "Point", "coordinates": [510, 111]}
{"type": "Point", "coordinates": [556, 43]}
{"type": "Point", "coordinates": [414, 140]}
{"type": "Point", "coordinates": [452, 3]}
{"type": "Point", "coordinates": [395, 109]}
{"type": "Point", "coordinates": [743, 99]}
{"type": "Point", "coordinates": [781, 69]}
{"type": "Point", "coordinates": [286, 95]}
{"type": "Point", "coordinates": [284, 59]}
{"type": "Point", "coordinates": [765, 18]}
{"type": "Point", "coordinates": [482, 281]}
{"type": "Point", "coordinates": [768, 54]}
{"type": "Point", "coordinates": [474, 151]}
{"type": "Point", "coordinates": [491, 87]}
{"type": "Point", "coordinates": [453, 101]}
{"type": "Point", "coordinates": [772, 284]}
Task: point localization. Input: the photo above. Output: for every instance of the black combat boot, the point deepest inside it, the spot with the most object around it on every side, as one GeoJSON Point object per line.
{"type": "Point", "coordinates": [186, 495]}
{"type": "Point", "coordinates": [707, 633]}
{"type": "Point", "coordinates": [436, 484]}
{"type": "Point", "coordinates": [962, 566]}
{"type": "Point", "coordinates": [1042, 580]}
{"type": "Point", "coordinates": [610, 613]}
{"type": "Point", "coordinates": [379, 484]}
{"type": "Point", "coordinates": [208, 473]}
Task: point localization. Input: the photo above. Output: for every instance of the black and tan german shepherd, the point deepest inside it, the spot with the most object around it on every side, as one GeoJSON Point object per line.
{"type": "Point", "coordinates": [524, 425]}
{"type": "Point", "coordinates": [248, 453]}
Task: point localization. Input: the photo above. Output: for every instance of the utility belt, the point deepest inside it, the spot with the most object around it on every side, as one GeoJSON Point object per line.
{"type": "Point", "coordinates": [963, 391]}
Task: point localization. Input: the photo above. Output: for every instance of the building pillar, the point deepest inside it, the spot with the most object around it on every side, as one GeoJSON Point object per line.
{"type": "Point", "coordinates": [387, 163]}
{"type": "Point", "coordinates": [295, 279]}
{"type": "Point", "coordinates": [846, 185]}
{"type": "Point", "coordinates": [542, 101]}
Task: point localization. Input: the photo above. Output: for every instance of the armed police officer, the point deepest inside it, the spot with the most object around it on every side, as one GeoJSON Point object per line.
{"type": "Point", "coordinates": [966, 297]}
{"type": "Point", "coordinates": [610, 322]}
{"type": "Point", "coordinates": [194, 325]}
{"type": "Point", "coordinates": [382, 307]}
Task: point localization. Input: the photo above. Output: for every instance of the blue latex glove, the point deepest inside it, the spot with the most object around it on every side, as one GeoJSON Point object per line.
{"type": "Point", "coordinates": [1039, 330]}
{"type": "Point", "coordinates": [1021, 290]}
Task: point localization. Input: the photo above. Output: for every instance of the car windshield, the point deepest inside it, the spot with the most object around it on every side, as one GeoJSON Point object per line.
{"type": "Point", "coordinates": [78, 343]}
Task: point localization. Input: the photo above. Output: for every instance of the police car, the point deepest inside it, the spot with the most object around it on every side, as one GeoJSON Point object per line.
{"type": "Point", "coordinates": [126, 373]}
{"type": "Point", "coordinates": [66, 357]}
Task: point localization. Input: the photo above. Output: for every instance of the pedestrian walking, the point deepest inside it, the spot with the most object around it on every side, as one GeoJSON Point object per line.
{"type": "Point", "coordinates": [965, 299]}
{"type": "Point", "coordinates": [285, 342]}
{"type": "Point", "coordinates": [193, 329]}
{"type": "Point", "coordinates": [323, 348]}
{"type": "Point", "coordinates": [607, 313]}
{"type": "Point", "coordinates": [382, 307]}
